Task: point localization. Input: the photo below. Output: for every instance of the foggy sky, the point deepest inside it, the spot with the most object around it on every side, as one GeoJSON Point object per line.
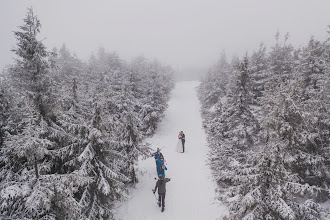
{"type": "Point", "coordinates": [182, 33]}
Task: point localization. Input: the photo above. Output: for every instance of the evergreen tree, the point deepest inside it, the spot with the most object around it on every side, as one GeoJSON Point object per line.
{"type": "Point", "coordinates": [266, 189]}
{"type": "Point", "coordinates": [259, 72]}
{"type": "Point", "coordinates": [4, 109]}
{"type": "Point", "coordinates": [98, 162]}
{"type": "Point", "coordinates": [312, 66]}
{"type": "Point", "coordinates": [30, 185]}
{"type": "Point", "coordinates": [214, 85]}
{"type": "Point", "coordinates": [157, 84]}
{"type": "Point", "coordinates": [281, 60]}
{"type": "Point", "coordinates": [240, 125]}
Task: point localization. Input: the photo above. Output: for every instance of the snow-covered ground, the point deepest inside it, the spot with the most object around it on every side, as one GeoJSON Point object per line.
{"type": "Point", "coordinates": [191, 192]}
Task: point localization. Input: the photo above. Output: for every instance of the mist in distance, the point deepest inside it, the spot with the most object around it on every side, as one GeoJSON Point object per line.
{"type": "Point", "coordinates": [188, 35]}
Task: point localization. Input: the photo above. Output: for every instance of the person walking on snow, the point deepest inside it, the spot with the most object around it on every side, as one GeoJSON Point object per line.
{"type": "Point", "coordinates": [183, 139]}
{"type": "Point", "coordinates": [161, 186]}
{"type": "Point", "coordinates": [158, 156]}
{"type": "Point", "coordinates": [160, 168]}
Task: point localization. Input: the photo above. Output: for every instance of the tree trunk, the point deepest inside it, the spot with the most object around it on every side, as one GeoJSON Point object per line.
{"type": "Point", "coordinates": [135, 180]}
{"type": "Point", "coordinates": [36, 167]}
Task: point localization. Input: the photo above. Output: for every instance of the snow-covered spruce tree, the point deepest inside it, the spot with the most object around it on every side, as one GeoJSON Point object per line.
{"type": "Point", "coordinates": [29, 146]}
{"type": "Point", "coordinates": [30, 184]}
{"type": "Point", "coordinates": [156, 84]}
{"type": "Point", "coordinates": [69, 75]}
{"type": "Point", "coordinates": [310, 101]}
{"type": "Point", "coordinates": [157, 92]}
{"type": "Point", "coordinates": [234, 130]}
{"type": "Point", "coordinates": [99, 161]}
{"type": "Point", "coordinates": [214, 84]}
{"type": "Point", "coordinates": [69, 67]}
{"type": "Point", "coordinates": [32, 69]}
{"type": "Point", "coordinates": [4, 109]}
{"type": "Point", "coordinates": [259, 72]}
{"type": "Point", "coordinates": [125, 122]}
{"type": "Point", "coordinates": [281, 61]}
{"type": "Point", "coordinates": [138, 75]}
{"type": "Point", "coordinates": [313, 66]}
{"type": "Point", "coordinates": [287, 126]}
{"type": "Point", "coordinates": [265, 189]}
{"type": "Point", "coordinates": [212, 94]}
{"type": "Point", "coordinates": [5, 105]}
{"type": "Point", "coordinates": [237, 122]}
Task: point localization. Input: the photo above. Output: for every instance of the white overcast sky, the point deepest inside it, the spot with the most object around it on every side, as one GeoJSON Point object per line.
{"type": "Point", "coordinates": [182, 33]}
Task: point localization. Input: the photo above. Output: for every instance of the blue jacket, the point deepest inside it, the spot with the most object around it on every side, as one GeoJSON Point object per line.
{"type": "Point", "coordinates": [161, 172]}
{"type": "Point", "coordinates": [159, 156]}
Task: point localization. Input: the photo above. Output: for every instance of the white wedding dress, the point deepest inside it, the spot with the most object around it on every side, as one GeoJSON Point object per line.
{"type": "Point", "coordinates": [179, 147]}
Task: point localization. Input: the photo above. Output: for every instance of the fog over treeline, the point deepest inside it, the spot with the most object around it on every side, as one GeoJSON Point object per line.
{"type": "Point", "coordinates": [188, 35]}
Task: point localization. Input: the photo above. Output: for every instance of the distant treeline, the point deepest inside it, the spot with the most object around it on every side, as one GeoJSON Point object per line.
{"type": "Point", "coordinates": [72, 131]}
{"type": "Point", "coordinates": [267, 120]}
{"type": "Point", "coordinates": [189, 74]}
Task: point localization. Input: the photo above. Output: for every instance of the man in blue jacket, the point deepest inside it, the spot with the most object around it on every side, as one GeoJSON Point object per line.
{"type": "Point", "coordinates": [158, 155]}
{"type": "Point", "coordinates": [161, 168]}
{"type": "Point", "coordinates": [161, 186]}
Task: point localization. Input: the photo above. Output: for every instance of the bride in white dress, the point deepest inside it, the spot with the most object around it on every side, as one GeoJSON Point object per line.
{"type": "Point", "coordinates": [179, 147]}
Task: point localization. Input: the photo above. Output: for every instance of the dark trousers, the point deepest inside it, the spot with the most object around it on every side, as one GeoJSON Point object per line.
{"type": "Point", "coordinates": [161, 199]}
{"type": "Point", "coordinates": [183, 140]}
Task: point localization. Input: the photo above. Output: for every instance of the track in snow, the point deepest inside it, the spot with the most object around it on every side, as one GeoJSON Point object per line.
{"type": "Point", "coordinates": [191, 192]}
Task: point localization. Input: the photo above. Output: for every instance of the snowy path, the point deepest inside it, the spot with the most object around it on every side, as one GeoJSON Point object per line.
{"type": "Point", "coordinates": [191, 191]}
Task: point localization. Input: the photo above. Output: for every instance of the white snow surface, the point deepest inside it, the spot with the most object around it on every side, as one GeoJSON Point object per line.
{"type": "Point", "coordinates": [191, 192]}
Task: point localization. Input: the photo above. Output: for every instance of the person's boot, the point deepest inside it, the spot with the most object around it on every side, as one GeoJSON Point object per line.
{"type": "Point", "coordinates": [158, 204]}
{"type": "Point", "coordinates": [163, 209]}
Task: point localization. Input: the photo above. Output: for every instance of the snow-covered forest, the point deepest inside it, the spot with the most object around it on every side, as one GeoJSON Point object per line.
{"type": "Point", "coordinates": [72, 131]}
{"type": "Point", "coordinates": [77, 136]}
{"type": "Point", "coordinates": [267, 120]}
